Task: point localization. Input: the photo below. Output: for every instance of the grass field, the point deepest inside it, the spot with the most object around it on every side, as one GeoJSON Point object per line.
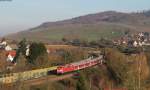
{"type": "Point", "coordinates": [84, 32]}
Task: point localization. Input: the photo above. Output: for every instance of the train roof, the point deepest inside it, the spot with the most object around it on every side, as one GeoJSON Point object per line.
{"type": "Point", "coordinates": [84, 61]}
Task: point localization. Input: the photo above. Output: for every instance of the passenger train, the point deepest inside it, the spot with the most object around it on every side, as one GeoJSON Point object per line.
{"type": "Point", "coordinates": [27, 75]}
{"type": "Point", "coordinates": [79, 65]}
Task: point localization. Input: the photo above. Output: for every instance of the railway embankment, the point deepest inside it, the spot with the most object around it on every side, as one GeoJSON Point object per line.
{"type": "Point", "coordinates": [119, 71]}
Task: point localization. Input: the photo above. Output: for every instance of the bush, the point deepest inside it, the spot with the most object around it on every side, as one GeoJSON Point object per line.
{"type": "Point", "coordinates": [129, 50]}
{"type": "Point", "coordinates": [21, 49]}
{"type": "Point", "coordinates": [81, 84]}
{"type": "Point", "coordinates": [117, 65]}
{"type": "Point", "coordinates": [36, 50]}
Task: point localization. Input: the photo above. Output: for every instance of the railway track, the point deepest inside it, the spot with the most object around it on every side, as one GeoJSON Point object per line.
{"type": "Point", "coordinates": [46, 79]}
{"type": "Point", "coordinates": [37, 81]}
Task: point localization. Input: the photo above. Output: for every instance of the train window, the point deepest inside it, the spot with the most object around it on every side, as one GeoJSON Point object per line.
{"type": "Point", "coordinates": [87, 64]}
{"type": "Point", "coordinates": [92, 62]}
{"type": "Point", "coordinates": [69, 66]}
{"type": "Point", "coordinates": [81, 66]}
{"type": "Point", "coordinates": [76, 66]}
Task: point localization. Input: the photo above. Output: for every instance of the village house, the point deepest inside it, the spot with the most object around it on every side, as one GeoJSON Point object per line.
{"type": "Point", "coordinates": [11, 55]}
{"type": "Point", "coordinates": [3, 44]}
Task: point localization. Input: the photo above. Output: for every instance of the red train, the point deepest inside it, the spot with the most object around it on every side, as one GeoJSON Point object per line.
{"type": "Point", "coordinates": [79, 65]}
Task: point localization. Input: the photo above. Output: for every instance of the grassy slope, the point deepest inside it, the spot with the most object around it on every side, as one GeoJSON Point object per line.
{"type": "Point", "coordinates": [87, 32]}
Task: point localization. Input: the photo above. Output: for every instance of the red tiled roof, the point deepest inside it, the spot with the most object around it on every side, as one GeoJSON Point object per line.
{"type": "Point", "coordinates": [12, 53]}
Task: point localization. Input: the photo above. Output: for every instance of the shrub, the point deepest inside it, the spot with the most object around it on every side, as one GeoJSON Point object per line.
{"type": "Point", "coordinates": [36, 50]}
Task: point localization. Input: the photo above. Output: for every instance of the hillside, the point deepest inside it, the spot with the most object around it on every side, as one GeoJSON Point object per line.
{"type": "Point", "coordinates": [108, 24]}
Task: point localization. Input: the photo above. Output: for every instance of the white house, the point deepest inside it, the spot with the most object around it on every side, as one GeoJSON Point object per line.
{"type": "Point", "coordinates": [10, 58]}
{"type": "Point", "coordinates": [135, 44]}
{"type": "Point", "coordinates": [141, 34]}
{"type": "Point", "coordinates": [140, 44]}
{"type": "Point", "coordinates": [27, 50]}
{"type": "Point", "coordinates": [3, 43]}
{"type": "Point", "coordinates": [8, 48]}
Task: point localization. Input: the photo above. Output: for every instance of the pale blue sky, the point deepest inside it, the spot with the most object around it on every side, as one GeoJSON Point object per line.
{"type": "Point", "coordinates": [23, 14]}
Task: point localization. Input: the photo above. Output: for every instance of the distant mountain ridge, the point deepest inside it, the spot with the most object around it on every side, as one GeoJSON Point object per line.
{"type": "Point", "coordinates": [108, 16]}
{"type": "Point", "coordinates": [100, 22]}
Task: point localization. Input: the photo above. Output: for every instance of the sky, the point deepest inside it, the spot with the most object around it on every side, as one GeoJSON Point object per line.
{"type": "Point", "coordinates": [17, 15]}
